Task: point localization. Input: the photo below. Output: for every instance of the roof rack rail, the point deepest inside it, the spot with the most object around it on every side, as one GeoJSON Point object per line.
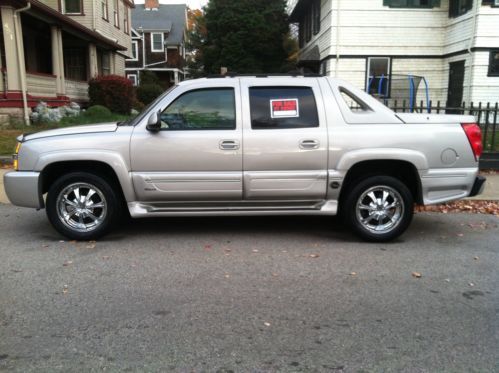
{"type": "Point", "coordinates": [236, 75]}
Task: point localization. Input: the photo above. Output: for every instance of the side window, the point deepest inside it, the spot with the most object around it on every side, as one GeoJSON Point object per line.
{"type": "Point", "coordinates": [202, 109]}
{"type": "Point", "coordinates": [283, 107]}
{"type": "Point", "coordinates": [354, 104]}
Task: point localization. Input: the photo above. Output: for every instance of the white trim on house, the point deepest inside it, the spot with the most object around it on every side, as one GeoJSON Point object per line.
{"type": "Point", "coordinates": [162, 42]}
{"type": "Point", "coordinates": [135, 48]}
{"type": "Point", "coordinates": [133, 78]}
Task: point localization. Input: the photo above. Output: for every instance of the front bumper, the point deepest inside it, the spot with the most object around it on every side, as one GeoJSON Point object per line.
{"type": "Point", "coordinates": [478, 186]}
{"type": "Point", "coordinates": [23, 188]}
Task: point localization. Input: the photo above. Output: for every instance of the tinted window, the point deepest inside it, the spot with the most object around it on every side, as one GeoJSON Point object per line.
{"type": "Point", "coordinates": [205, 109]}
{"type": "Point", "coordinates": [283, 107]}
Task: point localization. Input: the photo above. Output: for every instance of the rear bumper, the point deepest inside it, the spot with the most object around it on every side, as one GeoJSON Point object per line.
{"type": "Point", "coordinates": [23, 188]}
{"type": "Point", "coordinates": [478, 186]}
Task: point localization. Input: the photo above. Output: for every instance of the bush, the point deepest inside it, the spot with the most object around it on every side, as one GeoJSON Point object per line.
{"type": "Point", "coordinates": [98, 111]}
{"type": "Point", "coordinates": [148, 77]}
{"type": "Point", "coordinates": [112, 91]}
{"type": "Point", "coordinates": [147, 93]}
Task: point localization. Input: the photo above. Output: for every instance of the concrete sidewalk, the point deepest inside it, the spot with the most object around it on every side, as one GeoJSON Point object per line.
{"type": "Point", "coordinates": [491, 192]}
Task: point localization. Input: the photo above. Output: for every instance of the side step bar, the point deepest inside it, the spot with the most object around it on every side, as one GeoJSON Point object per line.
{"type": "Point", "coordinates": [142, 210]}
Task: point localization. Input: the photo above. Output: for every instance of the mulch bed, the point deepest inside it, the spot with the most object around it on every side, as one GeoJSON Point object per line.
{"type": "Point", "coordinates": [465, 206]}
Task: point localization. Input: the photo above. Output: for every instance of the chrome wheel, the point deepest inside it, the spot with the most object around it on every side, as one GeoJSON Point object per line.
{"type": "Point", "coordinates": [81, 207]}
{"type": "Point", "coordinates": [380, 209]}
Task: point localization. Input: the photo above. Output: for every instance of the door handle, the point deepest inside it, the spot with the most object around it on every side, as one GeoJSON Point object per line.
{"type": "Point", "coordinates": [229, 145]}
{"type": "Point", "coordinates": [309, 144]}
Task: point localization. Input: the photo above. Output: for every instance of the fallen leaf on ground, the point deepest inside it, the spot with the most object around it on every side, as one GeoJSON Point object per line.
{"type": "Point", "coordinates": [65, 289]}
{"type": "Point", "coordinates": [476, 258]}
{"type": "Point", "coordinates": [314, 255]}
{"type": "Point", "coordinates": [465, 206]}
{"type": "Point", "coordinates": [460, 235]}
{"type": "Point", "coordinates": [69, 262]}
{"type": "Point", "coordinates": [207, 247]}
{"type": "Point", "coordinates": [266, 323]}
{"type": "Point", "coordinates": [227, 275]}
{"type": "Point", "coordinates": [106, 257]}
{"type": "Point", "coordinates": [417, 274]}
{"type": "Point", "coordinates": [255, 251]}
{"type": "Point", "coordinates": [16, 270]}
{"type": "Point", "coordinates": [353, 273]}
{"type": "Point", "coordinates": [471, 284]}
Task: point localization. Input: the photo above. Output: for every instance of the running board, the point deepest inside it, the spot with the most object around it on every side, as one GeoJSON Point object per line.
{"type": "Point", "coordinates": [245, 208]}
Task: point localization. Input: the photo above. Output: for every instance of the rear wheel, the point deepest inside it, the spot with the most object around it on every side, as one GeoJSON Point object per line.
{"type": "Point", "coordinates": [82, 206]}
{"type": "Point", "coordinates": [379, 208]}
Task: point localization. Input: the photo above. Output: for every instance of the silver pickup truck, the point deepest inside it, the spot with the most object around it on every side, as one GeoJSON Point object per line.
{"type": "Point", "coordinates": [250, 146]}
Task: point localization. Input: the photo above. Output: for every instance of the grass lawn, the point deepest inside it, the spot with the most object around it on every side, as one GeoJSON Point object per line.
{"type": "Point", "coordinates": [8, 135]}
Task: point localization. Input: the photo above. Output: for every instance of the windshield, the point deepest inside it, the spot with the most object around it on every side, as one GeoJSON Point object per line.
{"type": "Point", "coordinates": [134, 121]}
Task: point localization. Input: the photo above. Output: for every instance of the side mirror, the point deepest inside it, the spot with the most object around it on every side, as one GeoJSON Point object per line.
{"type": "Point", "coordinates": [154, 122]}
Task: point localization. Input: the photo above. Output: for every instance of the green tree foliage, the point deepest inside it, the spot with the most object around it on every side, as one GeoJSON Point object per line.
{"type": "Point", "coordinates": [149, 87]}
{"type": "Point", "coordinates": [246, 36]}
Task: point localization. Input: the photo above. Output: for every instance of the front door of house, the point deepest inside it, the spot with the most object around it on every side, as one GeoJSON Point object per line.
{"type": "Point", "coordinates": [456, 83]}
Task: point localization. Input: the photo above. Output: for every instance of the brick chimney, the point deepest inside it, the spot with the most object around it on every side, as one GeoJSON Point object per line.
{"type": "Point", "coordinates": [151, 4]}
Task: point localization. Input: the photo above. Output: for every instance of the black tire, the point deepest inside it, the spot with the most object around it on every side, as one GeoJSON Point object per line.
{"type": "Point", "coordinates": [359, 219]}
{"type": "Point", "coordinates": [105, 190]}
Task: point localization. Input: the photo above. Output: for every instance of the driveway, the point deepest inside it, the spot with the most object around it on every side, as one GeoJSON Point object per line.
{"type": "Point", "coordinates": [249, 295]}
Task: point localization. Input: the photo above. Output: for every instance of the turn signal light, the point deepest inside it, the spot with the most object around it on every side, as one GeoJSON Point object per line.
{"type": "Point", "coordinates": [15, 161]}
{"type": "Point", "coordinates": [474, 135]}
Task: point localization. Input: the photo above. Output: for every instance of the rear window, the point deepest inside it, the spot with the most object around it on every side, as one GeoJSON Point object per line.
{"type": "Point", "coordinates": [283, 108]}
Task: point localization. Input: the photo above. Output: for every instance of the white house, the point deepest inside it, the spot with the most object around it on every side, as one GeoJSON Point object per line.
{"type": "Point", "coordinates": [377, 44]}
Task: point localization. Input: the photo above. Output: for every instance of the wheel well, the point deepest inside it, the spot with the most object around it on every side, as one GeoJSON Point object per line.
{"type": "Point", "coordinates": [404, 171]}
{"type": "Point", "coordinates": [55, 170]}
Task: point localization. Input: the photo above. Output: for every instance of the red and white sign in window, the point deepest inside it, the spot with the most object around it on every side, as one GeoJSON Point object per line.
{"type": "Point", "coordinates": [285, 108]}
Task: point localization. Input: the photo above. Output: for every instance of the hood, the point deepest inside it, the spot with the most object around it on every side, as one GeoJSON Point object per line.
{"type": "Point", "coordinates": [92, 128]}
{"type": "Point", "coordinates": [412, 118]}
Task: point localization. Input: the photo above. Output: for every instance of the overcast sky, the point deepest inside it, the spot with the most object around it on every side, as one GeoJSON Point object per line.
{"type": "Point", "coordinates": [194, 4]}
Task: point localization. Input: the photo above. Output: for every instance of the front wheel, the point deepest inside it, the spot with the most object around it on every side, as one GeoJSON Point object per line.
{"type": "Point", "coordinates": [379, 208]}
{"type": "Point", "coordinates": [82, 206]}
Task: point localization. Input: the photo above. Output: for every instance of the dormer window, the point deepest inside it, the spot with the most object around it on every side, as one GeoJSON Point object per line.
{"type": "Point", "coordinates": [157, 42]}
{"type": "Point", "coordinates": [72, 7]}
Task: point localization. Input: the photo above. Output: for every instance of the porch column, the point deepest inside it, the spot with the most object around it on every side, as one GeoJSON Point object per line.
{"type": "Point", "coordinates": [12, 54]}
{"type": "Point", "coordinates": [176, 76]}
{"type": "Point", "coordinates": [92, 61]}
{"type": "Point", "coordinates": [57, 69]}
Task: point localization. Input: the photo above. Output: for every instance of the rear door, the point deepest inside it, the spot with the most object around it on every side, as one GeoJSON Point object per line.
{"type": "Point", "coordinates": [285, 139]}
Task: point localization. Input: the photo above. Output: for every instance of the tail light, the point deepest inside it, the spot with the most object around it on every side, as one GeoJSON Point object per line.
{"type": "Point", "coordinates": [474, 134]}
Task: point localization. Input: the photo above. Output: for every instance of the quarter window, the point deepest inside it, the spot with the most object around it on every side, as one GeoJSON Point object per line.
{"type": "Point", "coordinates": [203, 109]}
{"type": "Point", "coordinates": [283, 107]}
{"type": "Point", "coordinates": [157, 42]}
{"type": "Point", "coordinates": [494, 63]}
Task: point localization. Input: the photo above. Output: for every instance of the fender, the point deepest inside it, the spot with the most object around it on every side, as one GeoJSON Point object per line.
{"type": "Point", "coordinates": [349, 159]}
{"type": "Point", "coordinates": [112, 159]}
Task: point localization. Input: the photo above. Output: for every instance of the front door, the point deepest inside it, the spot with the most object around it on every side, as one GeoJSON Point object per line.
{"type": "Point", "coordinates": [197, 154]}
{"type": "Point", "coordinates": [456, 83]}
{"type": "Point", "coordinates": [285, 140]}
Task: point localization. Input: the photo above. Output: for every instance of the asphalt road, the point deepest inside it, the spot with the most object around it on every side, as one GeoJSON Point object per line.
{"type": "Point", "coordinates": [249, 295]}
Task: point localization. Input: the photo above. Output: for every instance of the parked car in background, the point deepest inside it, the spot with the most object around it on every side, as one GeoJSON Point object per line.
{"type": "Point", "coordinates": [293, 145]}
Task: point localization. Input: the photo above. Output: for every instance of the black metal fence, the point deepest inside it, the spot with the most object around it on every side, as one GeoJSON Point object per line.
{"type": "Point", "coordinates": [486, 115]}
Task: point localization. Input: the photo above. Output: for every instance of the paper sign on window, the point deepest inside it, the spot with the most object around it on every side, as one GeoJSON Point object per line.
{"type": "Point", "coordinates": [287, 108]}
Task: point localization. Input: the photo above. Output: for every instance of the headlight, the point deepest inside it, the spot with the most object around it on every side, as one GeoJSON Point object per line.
{"type": "Point", "coordinates": [15, 161]}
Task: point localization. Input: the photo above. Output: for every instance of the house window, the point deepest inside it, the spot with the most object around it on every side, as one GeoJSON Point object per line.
{"type": "Point", "coordinates": [308, 27]}
{"type": "Point", "coordinates": [75, 67]}
{"type": "Point", "coordinates": [126, 21]}
{"type": "Point", "coordinates": [378, 76]}
{"type": "Point", "coordinates": [116, 14]}
{"type": "Point", "coordinates": [104, 63]}
{"type": "Point", "coordinates": [316, 16]}
{"type": "Point", "coordinates": [494, 63]}
{"type": "Point", "coordinates": [494, 3]}
{"type": "Point", "coordinates": [104, 13]}
{"type": "Point", "coordinates": [134, 51]}
{"type": "Point", "coordinates": [133, 79]}
{"type": "Point", "coordinates": [459, 7]}
{"type": "Point", "coordinates": [157, 42]}
{"type": "Point", "coordinates": [411, 3]}
{"type": "Point", "coordinates": [72, 6]}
